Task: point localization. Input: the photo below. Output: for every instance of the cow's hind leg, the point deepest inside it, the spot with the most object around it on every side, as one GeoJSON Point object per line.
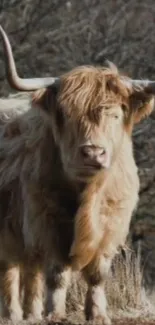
{"type": "Point", "coordinates": [10, 286]}
{"type": "Point", "coordinates": [58, 279]}
{"type": "Point", "coordinates": [33, 290]}
{"type": "Point", "coordinates": [96, 305]}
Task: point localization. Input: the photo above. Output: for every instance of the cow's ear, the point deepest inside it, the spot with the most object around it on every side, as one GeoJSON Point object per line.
{"type": "Point", "coordinates": [141, 104]}
{"type": "Point", "coordinates": [45, 99]}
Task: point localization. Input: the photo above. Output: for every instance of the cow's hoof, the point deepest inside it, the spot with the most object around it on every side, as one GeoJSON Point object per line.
{"type": "Point", "coordinates": [55, 317]}
{"type": "Point", "coordinates": [32, 319]}
{"type": "Point", "coordinates": [16, 316]}
{"type": "Point", "coordinates": [99, 320]}
{"type": "Point", "coordinates": [95, 306]}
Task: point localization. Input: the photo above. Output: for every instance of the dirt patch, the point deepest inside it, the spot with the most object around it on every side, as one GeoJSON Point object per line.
{"type": "Point", "coordinates": [137, 321]}
{"type": "Point", "coordinates": [123, 321]}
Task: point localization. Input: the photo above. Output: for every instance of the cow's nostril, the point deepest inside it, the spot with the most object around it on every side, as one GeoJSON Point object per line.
{"type": "Point", "coordinates": [103, 152]}
{"type": "Point", "coordinates": [85, 151]}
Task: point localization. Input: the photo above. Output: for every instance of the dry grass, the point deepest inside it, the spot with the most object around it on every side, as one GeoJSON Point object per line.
{"type": "Point", "coordinates": [125, 294]}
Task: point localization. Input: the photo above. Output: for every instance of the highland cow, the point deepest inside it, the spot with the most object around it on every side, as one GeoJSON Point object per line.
{"type": "Point", "coordinates": [68, 184]}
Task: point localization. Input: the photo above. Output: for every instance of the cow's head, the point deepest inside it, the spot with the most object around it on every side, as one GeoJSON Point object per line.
{"type": "Point", "coordinates": [90, 110]}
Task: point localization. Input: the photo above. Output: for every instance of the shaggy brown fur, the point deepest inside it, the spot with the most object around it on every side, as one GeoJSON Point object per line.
{"type": "Point", "coordinates": [59, 213]}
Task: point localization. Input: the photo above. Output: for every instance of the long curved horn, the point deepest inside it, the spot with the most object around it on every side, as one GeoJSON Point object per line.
{"type": "Point", "coordinates": [14, 80]}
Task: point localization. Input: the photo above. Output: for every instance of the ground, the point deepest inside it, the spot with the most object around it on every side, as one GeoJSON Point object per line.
{"type": "Point", "coordinates": [133, 322]}
{"type": "Point", "coordinates": [124, 321]}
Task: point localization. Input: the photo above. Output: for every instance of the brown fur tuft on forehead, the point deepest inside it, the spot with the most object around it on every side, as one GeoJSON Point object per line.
{"type": "Point", "coordinates": [86, 88]}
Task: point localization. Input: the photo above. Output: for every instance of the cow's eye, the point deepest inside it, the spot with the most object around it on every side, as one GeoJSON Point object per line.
{"type": "Point", "coordinates": [116, 116]}
{"type": "Point", "coordinates": [99, 109]}
{"type": "Point", "coordinates": [124, 107]}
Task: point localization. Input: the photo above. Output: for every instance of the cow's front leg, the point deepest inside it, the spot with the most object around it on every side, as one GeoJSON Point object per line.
{"type": "Point", "coordinates": [58, 279]}
{"type": "Point", "coordinates": [11, 292]}
{"type": "Point", "coordinates": [96, 305]}
{"type": "Point", "coordinates": [34, 290]}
